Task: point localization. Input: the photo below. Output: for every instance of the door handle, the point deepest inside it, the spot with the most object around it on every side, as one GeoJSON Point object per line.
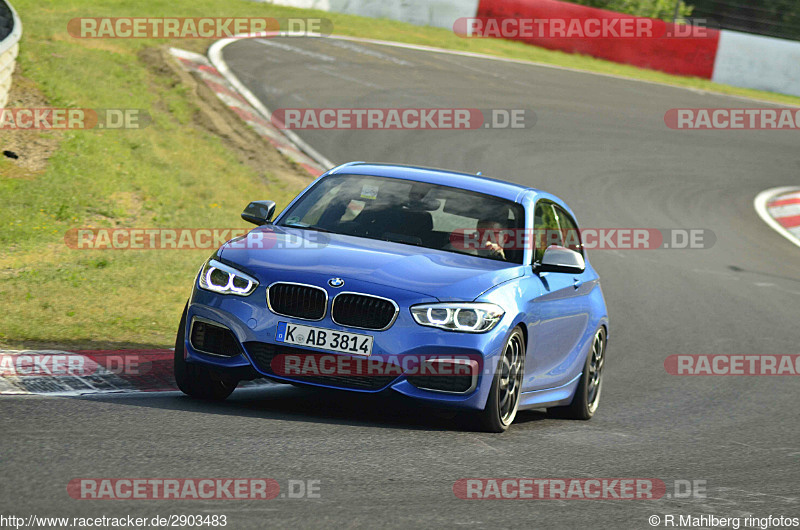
{"type": "Point", "coordinates": [577, 283]}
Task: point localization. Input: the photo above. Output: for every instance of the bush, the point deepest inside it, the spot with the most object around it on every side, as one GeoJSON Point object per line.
{"type": "Point", "coordinates": [663, 9]}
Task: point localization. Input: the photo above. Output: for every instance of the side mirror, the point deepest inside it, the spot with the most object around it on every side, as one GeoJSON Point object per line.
{"type": "Point", "coordinates": [560, 259]}
{"type": "Point", "coordinates": [259, 212]}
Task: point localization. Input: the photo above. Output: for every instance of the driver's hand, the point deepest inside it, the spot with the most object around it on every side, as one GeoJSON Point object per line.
{"type": "Point", "coordinates": [495, 249]}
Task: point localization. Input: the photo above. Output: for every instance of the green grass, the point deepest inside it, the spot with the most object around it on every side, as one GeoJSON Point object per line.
{"type": "Point", "coordinates": [171, 174]}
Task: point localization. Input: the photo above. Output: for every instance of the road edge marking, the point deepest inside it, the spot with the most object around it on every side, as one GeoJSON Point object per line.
{"type": "Point", "coordinates": [760, 204]}
{"type": "Point", "coordinates": [215, 56]}
{"type": "Point", "coordinates": [102, 379]}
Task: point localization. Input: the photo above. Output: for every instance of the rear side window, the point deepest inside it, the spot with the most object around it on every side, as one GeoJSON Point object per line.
{"type": "Point", "coordinates": [570, 235]}
{"type": "Point", "coordinates": [545, 228]}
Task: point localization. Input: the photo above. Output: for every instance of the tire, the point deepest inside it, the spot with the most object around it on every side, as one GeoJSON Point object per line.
{"type": "Point", "coordinates": [587, 395]}
{"type": "Point", "coordinates": [196, 380]}
{"type": "Point", "coordinates": [501, 406]}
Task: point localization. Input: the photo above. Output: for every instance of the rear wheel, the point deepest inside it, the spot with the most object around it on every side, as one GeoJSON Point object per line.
{"type": "Point", "coordinates": [501, 407]}
{"type": "Point", "coordinates": [587, 396]}
{"type": "Point", "coordinates": [194, 379]}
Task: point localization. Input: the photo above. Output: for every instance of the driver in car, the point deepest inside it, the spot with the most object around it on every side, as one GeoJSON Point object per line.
{"type": "Point", "coordinates": [492, 232]}
{"type": "Point", "coordinates": [491, 240]}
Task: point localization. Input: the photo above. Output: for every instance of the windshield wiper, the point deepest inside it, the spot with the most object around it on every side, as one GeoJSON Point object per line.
{"type": "Point", "coordinates": [309, 227]}
{"type": "Point", "coordinates": [402, 242]}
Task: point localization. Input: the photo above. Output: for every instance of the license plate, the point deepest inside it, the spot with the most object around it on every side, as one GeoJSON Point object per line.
{"type": "Point", "coordinates": [324, 339]}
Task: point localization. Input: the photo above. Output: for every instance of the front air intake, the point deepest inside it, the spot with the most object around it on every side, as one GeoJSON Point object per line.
{"type": "Point", "coordinates": [215, 339]}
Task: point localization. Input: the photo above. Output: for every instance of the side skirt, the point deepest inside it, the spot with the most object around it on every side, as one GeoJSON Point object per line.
{"type": "Point", "coordinates": [549, 397]}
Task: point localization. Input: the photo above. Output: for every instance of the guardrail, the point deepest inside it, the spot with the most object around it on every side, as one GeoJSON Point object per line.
{"type": "Point", "coordinates": [10, 33]}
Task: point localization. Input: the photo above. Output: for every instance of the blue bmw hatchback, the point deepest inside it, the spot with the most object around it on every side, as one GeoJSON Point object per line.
{"type": "Point", "coordinates": [446, 287]}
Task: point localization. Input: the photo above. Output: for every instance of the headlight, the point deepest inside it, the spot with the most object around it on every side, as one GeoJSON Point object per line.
{"type": "Point", "coordinates": [221, 278]}
{"type": "Point", "coordinates": [466, 317]}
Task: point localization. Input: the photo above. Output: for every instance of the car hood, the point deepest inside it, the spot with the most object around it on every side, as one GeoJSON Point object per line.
{"type": "Point", "coordinates": [306, 254]}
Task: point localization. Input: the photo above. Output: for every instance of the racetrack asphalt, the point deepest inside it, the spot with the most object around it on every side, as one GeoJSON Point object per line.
{"type": "Point", "coordinates": [602, 145]}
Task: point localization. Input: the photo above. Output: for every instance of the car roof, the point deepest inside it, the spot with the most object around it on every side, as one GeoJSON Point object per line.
{"type": "Point", "coordinates": [468, 181]}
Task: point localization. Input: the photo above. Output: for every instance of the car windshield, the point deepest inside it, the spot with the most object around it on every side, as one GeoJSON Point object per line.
{"type": "Point", "coordinates": [412, 213]}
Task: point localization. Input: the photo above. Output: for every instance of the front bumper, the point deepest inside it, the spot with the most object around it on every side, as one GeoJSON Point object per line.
{"type": "Point", "coordinates": [253, 327]}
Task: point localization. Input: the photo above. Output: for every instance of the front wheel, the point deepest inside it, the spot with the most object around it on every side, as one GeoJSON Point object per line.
{"type": "Point", "coordinates": [196, 380]}
{"type": "Point", "coordinates": [501, 407]}
{"type": "Point", "coordinates": [587, 395]}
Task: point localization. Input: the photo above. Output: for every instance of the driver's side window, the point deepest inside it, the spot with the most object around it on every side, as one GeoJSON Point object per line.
{"type": "Point", "coordinates": [545, 229]}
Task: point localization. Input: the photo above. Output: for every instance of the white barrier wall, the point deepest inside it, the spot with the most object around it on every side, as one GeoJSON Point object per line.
{"type": "Point", "coordinates": [753, 61]}
{"type": "Point", "coordinates": [9, 48]}
{"type": "Point", "coordinates": [437, 13]}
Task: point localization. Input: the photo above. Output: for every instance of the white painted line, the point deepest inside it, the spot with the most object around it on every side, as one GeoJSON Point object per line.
{"type": "Point", "coordinates": [78, 393]}
{"type": "Point", "coordinates": [788, 210]}
{"type": "Point", "coordinates": [215, 54]}
{"type": "Point", "coordinates": [760, 204]}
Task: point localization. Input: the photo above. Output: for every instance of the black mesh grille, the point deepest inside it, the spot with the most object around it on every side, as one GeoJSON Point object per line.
{"type": "Point", "coordinates": [362, 311]}
{"type": "Point", "coordinates": [263, 353]}
{"type": "Point", "coordinates": [300, 301]}
{"type": "Point", "coordinates": [214, 339]}
{"type": "Point", "coordinates": [445, 383]}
